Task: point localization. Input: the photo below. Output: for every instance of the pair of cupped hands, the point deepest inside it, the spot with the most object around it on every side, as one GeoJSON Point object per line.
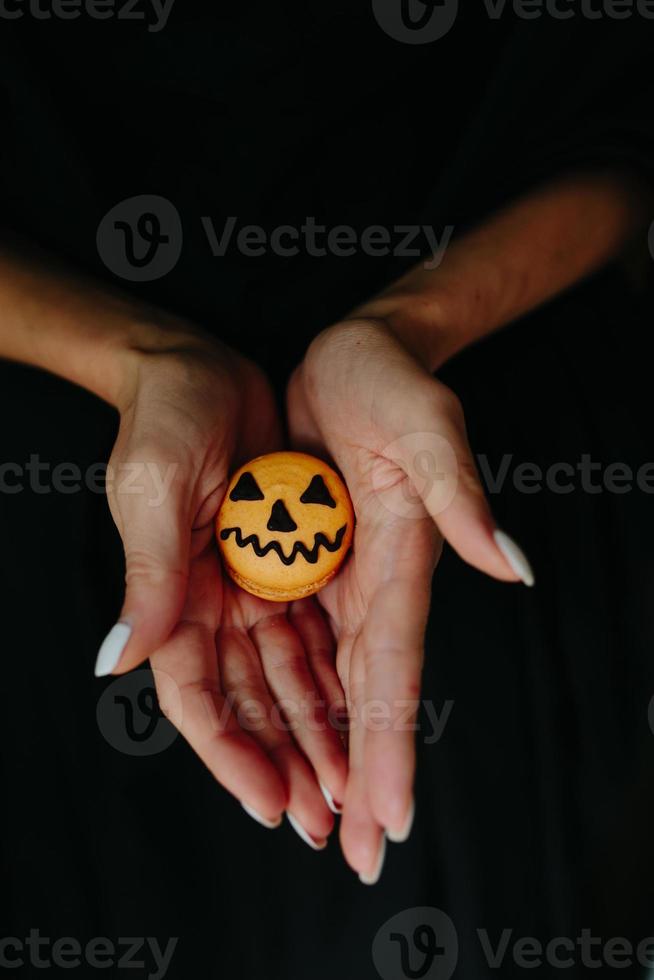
{"type": "Point", "coordinates": [306, 708]}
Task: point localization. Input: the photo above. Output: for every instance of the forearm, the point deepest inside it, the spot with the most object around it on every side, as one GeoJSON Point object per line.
{"type": "Point", "coordinates": [524, 255]}
{"type": "Point", "coordinates": [76, 329]}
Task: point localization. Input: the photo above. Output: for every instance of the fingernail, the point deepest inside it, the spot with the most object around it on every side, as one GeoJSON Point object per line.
{"type": "Point", "coordinates": [515, 557]}
{"type": "Point", "coordinates": [373, 878]}
{"type": "Point", "coordinates": [317, 845]}
{"type": "Point", "coordinates": [399, 836]}
{"type": "Point", "coordinates": [112, 649]}
{"type": "Point", "coordinates": [329, 799]}
{"type": "Point", "coordinates": [270, 824]}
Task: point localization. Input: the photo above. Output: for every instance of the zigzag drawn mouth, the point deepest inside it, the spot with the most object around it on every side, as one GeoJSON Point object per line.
{"type": "Point", "coordinates": [299, 548]}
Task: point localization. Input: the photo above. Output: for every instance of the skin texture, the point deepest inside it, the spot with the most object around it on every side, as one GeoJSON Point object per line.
{"type": "Point", "coordinates": [538, 246]}
{"type": "Point", "coordinates": [379, 603]}
{"type": "Point", "coordinates": [362, 388]}
{"type": "Point", "coordinates": [208, 640]}
{"type": "Point", "coordinates": [365, 395]}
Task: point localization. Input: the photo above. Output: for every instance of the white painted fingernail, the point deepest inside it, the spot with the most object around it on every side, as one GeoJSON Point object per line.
{"type": "Point", "coordinates": [329, 800]}
{"type": "Point", "coordinates": [317, 845]}
{"type": "Point", "coordinates": [515, 557]}
{"type": "Point", "coordinates": [112, 649]}
{"type": "Point", "coordinates": [373, 878]}
{"type": "Point", "coordinates": [270, 824]}
{"type": "Point", "coordinates": [398, 837]}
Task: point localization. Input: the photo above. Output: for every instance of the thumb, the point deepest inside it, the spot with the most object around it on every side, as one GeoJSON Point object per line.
{"type": "Point", "coordinates": [156, 539]}
{"type": "Point", "coordinates": [436, 456]}
{"type": "Point", "coordinates": [303, 431]}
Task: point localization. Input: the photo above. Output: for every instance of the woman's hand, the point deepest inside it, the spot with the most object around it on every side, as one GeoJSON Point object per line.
{"type": "Point", "coordinates": [222, 659]}
{"type": "Point", "coordinates": [398, 436]}
{"type": "Point", "coordinates": [364, 394]}
{"type": "Point", "coordinates": [190, 411]}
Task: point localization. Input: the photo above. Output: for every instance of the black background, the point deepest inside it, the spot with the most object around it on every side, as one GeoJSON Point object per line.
{"type": "Point", "coordinates": [533, 810]}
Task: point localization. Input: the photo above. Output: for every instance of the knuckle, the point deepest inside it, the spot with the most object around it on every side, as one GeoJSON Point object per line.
{"type": "Point", "coordinates": [469, 477]}
{"type": "Point", "coordinates": [446, 402]}
{"type": "Point", "coordinates": [286, 661]}
{"type": "Point", "coordinates": [143, 565]}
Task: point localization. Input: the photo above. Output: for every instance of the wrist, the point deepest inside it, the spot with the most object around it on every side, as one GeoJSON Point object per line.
{"type": "Point", "coordinates": [137, 346]}
{"type": "Point", "coordinates": [429, 322]}
{"type": "Point", "coordinates": [519, 258]}
{"type": "Point", "coordinates": [172, 354]}
{"type": "Point", "coordinates": [74, 328]}
{"type": "Point", "coordinates": [126, 352]}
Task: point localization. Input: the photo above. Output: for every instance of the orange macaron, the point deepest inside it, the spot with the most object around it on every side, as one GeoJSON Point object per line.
{"type": "Point", "coordinates": [285, 525]}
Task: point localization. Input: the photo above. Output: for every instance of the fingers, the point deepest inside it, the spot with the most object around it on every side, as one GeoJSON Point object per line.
{"type": "Point", "coordinates": [189, 693]}
{"type": "Point", "coordinates": [362, 839]}
{"type": "Point", "coordinates": [245, 686]}
{"type": "Point", "coordinates": [292, 686]}
{"type": "Point", "coordinates": [303, 431]}
{"type": "Point", "coordinates": [392, 642]}
{"type": "Point", "coordinates": [394, 569]}
{"type": "Point", "coordinates": [222, 705]}
{"type": "Point", "coordinates": [309, 621]}
{"type": "Point", "coordinates": [156, 535]}
{"type": "Point", "coordinates": [156, 575]}
{"type": "Point", "coordinates": [391, 407]}
{"type": "Point", "coordinates": [435, 454]}
{"type": "Point", "coordinates": [319, 646]}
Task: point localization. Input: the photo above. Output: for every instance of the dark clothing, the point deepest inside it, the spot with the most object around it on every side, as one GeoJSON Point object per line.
{"type": "Point", "coordinates": [275, 113]}
{"type": "Point", "coordinates": [530, 808]}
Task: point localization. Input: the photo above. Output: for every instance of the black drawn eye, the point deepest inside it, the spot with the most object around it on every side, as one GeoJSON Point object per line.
{"type": "Point", "coordinates": [317, 493]}
{"type": "Point", "coordinates": [247, 488]}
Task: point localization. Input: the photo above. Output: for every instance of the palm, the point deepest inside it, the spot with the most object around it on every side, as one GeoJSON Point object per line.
{"type": "Point", "coordinates": [230, 660]}
{"type": "Point", "coordinates": [378, 607]}
{"type": "Point", "coordinates": [212, 682]}
{"type": "Point", "coordinates": [386, 549]}
{"type": "Point", "coordinates": [222, 659]}
{"type": "Point", "coordinates": [379, 601]}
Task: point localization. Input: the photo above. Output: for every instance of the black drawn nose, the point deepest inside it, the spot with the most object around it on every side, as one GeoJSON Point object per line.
{"type": "Point", "coordinates": [280, 519]}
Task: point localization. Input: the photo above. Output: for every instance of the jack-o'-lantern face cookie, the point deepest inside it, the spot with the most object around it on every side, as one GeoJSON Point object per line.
{"type": "Point", "coordinates": [285, 525]}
